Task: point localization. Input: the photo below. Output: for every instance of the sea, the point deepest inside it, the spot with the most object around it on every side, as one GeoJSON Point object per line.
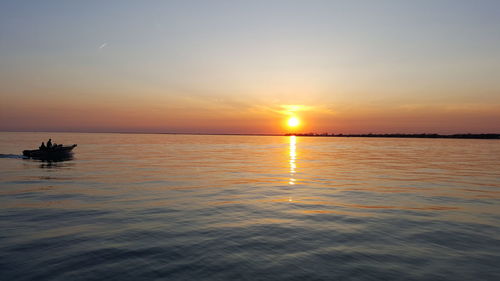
{"type": "Point", "coordinates": [215, 207]}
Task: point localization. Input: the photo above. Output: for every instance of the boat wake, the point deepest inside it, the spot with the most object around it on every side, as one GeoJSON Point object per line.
{"type": "Point", "coordinates": [12, 156]}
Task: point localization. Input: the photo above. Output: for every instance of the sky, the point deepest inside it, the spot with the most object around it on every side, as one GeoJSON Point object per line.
{"type": "Point", "coordinates": [247, 66]}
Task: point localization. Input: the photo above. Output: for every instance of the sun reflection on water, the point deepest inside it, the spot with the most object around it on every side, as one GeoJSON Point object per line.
{"type": "Point", "coordinates": [292, 160]}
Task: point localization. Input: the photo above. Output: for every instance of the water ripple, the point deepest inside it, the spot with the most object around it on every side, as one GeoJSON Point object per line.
{"type": "Point", "coordinates": [250, 208]}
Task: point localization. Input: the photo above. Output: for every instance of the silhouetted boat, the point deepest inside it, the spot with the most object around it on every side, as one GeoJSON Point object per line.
{"type": "Point", "coordinates": [53, 153]}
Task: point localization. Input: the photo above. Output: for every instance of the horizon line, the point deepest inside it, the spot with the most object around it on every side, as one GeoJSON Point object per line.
{"type": "Point", "coordinates": [309, 134]}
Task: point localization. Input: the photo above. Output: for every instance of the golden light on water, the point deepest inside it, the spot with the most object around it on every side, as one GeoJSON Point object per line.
{"type": "Point", "coordinates": [293, 157]}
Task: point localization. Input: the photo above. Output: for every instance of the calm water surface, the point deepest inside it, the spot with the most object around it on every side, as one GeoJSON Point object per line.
{"type": "Point", "coordinates": [186, 207]}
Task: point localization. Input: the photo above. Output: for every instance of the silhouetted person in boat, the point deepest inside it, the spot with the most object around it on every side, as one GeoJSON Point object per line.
{"type": "Point", "coordinates": [42, 147]}
{"type": "Point", "coordinates": [49, 143]}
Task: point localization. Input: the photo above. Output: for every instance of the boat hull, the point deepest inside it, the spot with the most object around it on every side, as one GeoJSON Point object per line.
{"type": "Point", "coordinates": [59, 153]}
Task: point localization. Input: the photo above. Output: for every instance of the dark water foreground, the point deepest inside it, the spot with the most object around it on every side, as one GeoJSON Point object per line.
{"type": "Point", "coordinates": [173, 207]}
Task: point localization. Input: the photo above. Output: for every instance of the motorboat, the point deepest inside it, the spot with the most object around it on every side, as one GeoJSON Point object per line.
{"type": "Point", "coordinates": [58, 152]}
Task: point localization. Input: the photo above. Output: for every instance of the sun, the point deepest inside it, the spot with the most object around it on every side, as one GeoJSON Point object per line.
{"type": "Point", "coordinates": [293, 122]}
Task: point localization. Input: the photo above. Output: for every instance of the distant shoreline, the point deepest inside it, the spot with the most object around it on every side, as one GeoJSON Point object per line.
{"type": "Point", "coordinates": [371, 135]}
{"type": "Point", "coordinates": [414, 136]}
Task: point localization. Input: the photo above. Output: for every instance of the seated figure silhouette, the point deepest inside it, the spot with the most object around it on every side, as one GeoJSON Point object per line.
{"type": "Point", "coordinates": [49, 143]}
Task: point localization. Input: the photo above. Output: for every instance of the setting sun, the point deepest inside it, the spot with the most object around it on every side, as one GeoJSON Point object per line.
{"type": "Point", "coordinates": [293, 122]}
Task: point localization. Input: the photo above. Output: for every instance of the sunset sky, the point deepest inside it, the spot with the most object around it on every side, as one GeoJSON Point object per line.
{"type": "Point", "coordinates": [247, 66]}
